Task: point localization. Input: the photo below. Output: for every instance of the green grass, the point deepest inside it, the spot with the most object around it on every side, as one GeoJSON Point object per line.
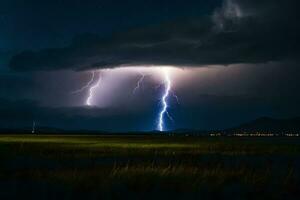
{"type": "Point", "coordinates": [157, 167]}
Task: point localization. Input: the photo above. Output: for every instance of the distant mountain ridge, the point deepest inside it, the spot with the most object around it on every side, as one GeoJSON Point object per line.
{"type": "Point", "coordinates": [270, 124]}
{"type": "Point", "coordinates": [263, 124]}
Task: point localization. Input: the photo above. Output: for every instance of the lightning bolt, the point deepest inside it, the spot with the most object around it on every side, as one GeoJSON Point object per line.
{"type": "Point", "coordinates": [164, 110]}
{"type": "Point", "coordinates": [171, 91]}
{"type": "Point", "coordinates": [138, 83]}
{"type": "Point", "coordinates": [85, 86]}
{"type": "Point", "coordinates": [92, 91]}
{"type": "Point", "coordinates": [92, 85]}
{"type": "Point", "coordinates": [176, 97]}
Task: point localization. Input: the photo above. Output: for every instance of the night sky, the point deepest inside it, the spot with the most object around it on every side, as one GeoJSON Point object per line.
{"type": "Point", "coordinates": [228, 61]}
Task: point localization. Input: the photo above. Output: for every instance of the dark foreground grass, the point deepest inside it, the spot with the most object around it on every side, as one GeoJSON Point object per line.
{"type": "Point", "coordinates": [148, 167]}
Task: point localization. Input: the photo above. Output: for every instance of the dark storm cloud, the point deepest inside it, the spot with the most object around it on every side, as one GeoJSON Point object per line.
{"type": "Point", "coordinates": [13, 85]}
{"type": "Point", "coordinates": [35, 24]}
{"type": "Point", "coordinates": [236, 32]}
{"type": "Point", "coordinates": [5, 57]}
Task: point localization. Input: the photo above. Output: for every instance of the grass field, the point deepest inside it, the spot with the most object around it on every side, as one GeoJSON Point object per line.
{"type": "Point", "coordinates": [148, 167]}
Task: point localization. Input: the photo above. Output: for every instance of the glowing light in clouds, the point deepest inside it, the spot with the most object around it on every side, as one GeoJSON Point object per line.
{"type": "Point", "coordinates": [157, 72]}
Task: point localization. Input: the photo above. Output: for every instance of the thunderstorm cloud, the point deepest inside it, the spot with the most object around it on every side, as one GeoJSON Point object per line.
{"type": "Point", "coordinates": [237, 31]}
{"type": "Point", "coordinates": [236, 60]}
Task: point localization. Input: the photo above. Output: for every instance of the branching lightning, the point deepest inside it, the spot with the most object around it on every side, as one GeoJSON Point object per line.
{"type": "Point", "coordinates": [164, 110]}
{"type": "Point", "coordinates": [138, 85]}
{"type": "Point", "coordinates": [92, 91]}
{"type": "Point", "coordinates": [176, 97]}
{"type": "Point", "coordinates": [85, 86]}
{"type": "Point", "coordinates": [91, 88]}
{"type": "Point", "coordinates": [93, 84]}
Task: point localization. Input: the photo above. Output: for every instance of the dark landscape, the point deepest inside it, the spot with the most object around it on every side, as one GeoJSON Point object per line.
{"type": "Point", "coordinates": [148, 167]}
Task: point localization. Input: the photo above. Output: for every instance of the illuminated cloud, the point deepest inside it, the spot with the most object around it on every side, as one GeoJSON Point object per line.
{"type": "Point", "coordinates": [232, 61]}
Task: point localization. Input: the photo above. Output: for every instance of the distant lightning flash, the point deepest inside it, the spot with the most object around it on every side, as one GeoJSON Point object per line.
{"type": "Point", "coordinates": [138, 85]}
{"type": "Point", "coordinates": [86, 86]}
{"type": "Point", "coordinates": [90, 87]}
{"type": "Point", "coordinates": [176, 97]}
{"type": "Point", "coordinates": [164, 99]}
{"type": "Point", "coordinates": [92, 91]}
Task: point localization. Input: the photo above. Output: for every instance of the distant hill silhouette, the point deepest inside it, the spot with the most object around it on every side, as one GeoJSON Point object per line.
{"type": "Point", "coordinates": [263, 124]}
{"type": "Point", "coordinates": [270, 124]}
